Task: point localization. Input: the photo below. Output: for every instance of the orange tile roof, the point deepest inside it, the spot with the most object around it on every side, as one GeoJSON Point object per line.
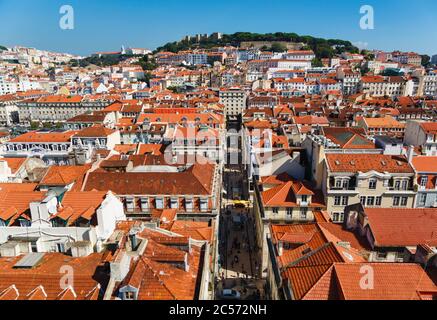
{"type": "Point", "coordinates": [42, 281]}
{"type": "Point", "coordinates": [425, 164]}
{"type": "Point", "coordinates": [429, 127]}
{"type": "Point", "coordinates": [65, 175]}
{"type": "Point", "coordinates": [391, 281]}
{"type": "Point", "coordinates": [383, 122]}
{"type": "Point", "coordinates": [14, 163]}
{"type": "Point", "coordinates": [36, 136]}
{"type": "Point", "coordinates": [95, 131]}
{"type": "Point", "coordinates": [402, 227]}
{"type": "Point", "coordinates": [284, 195]}
{"type": "Point", "coordinates": [367, 162]}
{"type": "Point", "coordinates": [198, 230]}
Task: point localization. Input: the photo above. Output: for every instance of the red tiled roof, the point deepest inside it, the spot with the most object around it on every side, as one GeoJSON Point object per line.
{"type": "Point", "coordinates": [35, 136]}
{"type": "Point", "coordinates": [402, 227]}
{"type": "Point", "coordinates": [14, 163]}
{"type": "Point", "coordinates": [367, 162]}
{"type": "Point", "coordinates": [284, 195]}
{"type": "Point", "coordinates": [95, 132]}
{"type": "Point", "coordinates": [42, 281]}
{"type": "Point", "coordinates": [425, 164]}
{"type": "Point", "coordinates": [65, 175]}
{"type": "Point", "coordinates": [196, 180]}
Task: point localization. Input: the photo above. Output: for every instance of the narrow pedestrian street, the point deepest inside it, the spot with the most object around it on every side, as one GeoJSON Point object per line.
{"type": "Point", "coordinates": [239, 257]}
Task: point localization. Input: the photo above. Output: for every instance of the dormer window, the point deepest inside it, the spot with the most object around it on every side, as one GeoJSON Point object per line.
{"type": "Point", "coordinates": [130, 205]}
{"type": "Point", "coordinates": [129, 295]}
{"type": "Point", "coordinates": [144, 204]}
{"type": "Point", "coordinates": [174, 203]}
{"type": "Point", "coordinates": [204, 204]}
{"type": "Point", "coordinates": [423, 181]}
{"type": "Point", "coordinates": [189, 204]}
{"type": "Point", "coordinates": [159, 202]}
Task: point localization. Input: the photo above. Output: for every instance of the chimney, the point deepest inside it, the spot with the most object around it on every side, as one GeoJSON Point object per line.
{"type": "Point", "coordinates": [410, 154]}
{"type": "Point", "coordinates": [133, 239]}
{"type": "Point", "coordinates": [280, 249]}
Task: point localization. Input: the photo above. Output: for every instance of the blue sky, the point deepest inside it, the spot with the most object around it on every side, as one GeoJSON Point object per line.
{"type": "Point", "coordinates": [102, 25]}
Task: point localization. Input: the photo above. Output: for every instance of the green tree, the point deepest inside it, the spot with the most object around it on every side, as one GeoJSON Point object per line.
{"type": "Point", "coordinates": [426, 60]}
{"type": "Point", "coordinates": [316, 62]}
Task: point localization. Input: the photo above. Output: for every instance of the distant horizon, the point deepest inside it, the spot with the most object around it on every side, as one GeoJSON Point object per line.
{"type": "Point", "coordinates": [107, 25]}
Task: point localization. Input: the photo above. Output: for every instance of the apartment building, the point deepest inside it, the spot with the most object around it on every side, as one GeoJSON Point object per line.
{"type": "Point", "coordinates": [52, 147]}
{"type": "Point", "coordinates": [385, 125]}
{"type": "Point", "coordinates": [234, 100]}
{"type": "Point", "coordinates": [37, 221]}
{"type": "Point", "coordinates": [193, 190]}
{"type": "Point", "coordinates": [57, 108]}
{"type": "Point", "coordinates": [422, 135]}
{"type": "Point", "coordinates": [379, 86]}
{"type": "Point", "coordinates": [374, 180]}
{"type": "Point", "coordinates": [426, 181]}
{"type": "Point", "coordinates": [394, 234]}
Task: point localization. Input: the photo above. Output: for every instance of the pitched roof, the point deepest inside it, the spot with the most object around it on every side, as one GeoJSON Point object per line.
{"type": "Point", "coordinates": [391, 281]}
{"type": "Point", "coordinates": [284, 195]}
{"type": "Point", "coordinates": [196, 180]}
{"type": "Point", "coordinates": [14, 163]}
{"type": "Point", "coordinates": [348, 138]}
{"type": "Point", "coordinates": [402, 227]}
{"type": "Point", "coordinates": [42, 281]}
{"type": "Point", "coordinates": [65, 175]}
{"type": "Point", "coordinates": [425, 164]}
{"type": "Point", "coordinates": [40, 136]}
{"type": "Point", "coordinates": [367, 162]}
{"type": "Point", "coordinates": [429, 127]}
{"type": "Point", "coordinates": [95, 131]}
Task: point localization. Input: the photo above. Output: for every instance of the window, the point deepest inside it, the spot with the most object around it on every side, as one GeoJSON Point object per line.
{"type": "Point", "coordinates": [363, 200]}
{"type": "Point", "coordinates": [345, 184]}
{"type": "Point", "coordinates": [60, 247]}
{"type": "Point", "coordinates": [345, 200]}
{"type": "Point", "coordinates": [174, 203]}
{"type": "Point", "coordinates": [404, 201]}
{"type": "Point", "coordinates": [24, 223]}
{"type": "Point", "coordinates": [378, 201]}
{"type": "Point", "coordinates": [289, 212]}
{"type": "Point", "coordinates": [159, 203]}
{"type": "Point", "coordinates": [337, 216]}
{"type": "Point", "coordinates": [397, 185]}
{"type": "Point", "coordinates": [404, 185]}
{"type": "Point", "coordinates": [303, 213]}
{"type": "Point", "coordinates": [304, 198]}
{"type": "Point", "coordinates": [129, 295]}
{"type": "Point", "coordinates": [423, 181]}
{"type": "Point", "coordinates": [372, 184]}
{"type": "Point", "coordinates": [370, 201]}
{"type": "Point", "coordinates": [144, 204]}
{"type": "Point", "coordinates": [204, 204]}
{"type": "Point", "coordinates": [130, 205]}
{"type": "Point", "coordinates": [338, 183]}
{"type": "Point", "coordinates": [381, 255]}
{"type": "Point", "coordinates": [275, 210]}
{"type": "Point", "coordinates": [396, 201]}
{"type": "Point", "coordinates": [422, 199]}
{"type": "Point", "coordinates": [337, 200]}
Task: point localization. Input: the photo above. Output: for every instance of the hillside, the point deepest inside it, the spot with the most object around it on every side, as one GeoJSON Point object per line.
{"type": "Point", "coordinates": [323, 48]}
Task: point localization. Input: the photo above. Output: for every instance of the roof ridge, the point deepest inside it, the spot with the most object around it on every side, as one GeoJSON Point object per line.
{"type": "Point", "coordinates": [146, 262]}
